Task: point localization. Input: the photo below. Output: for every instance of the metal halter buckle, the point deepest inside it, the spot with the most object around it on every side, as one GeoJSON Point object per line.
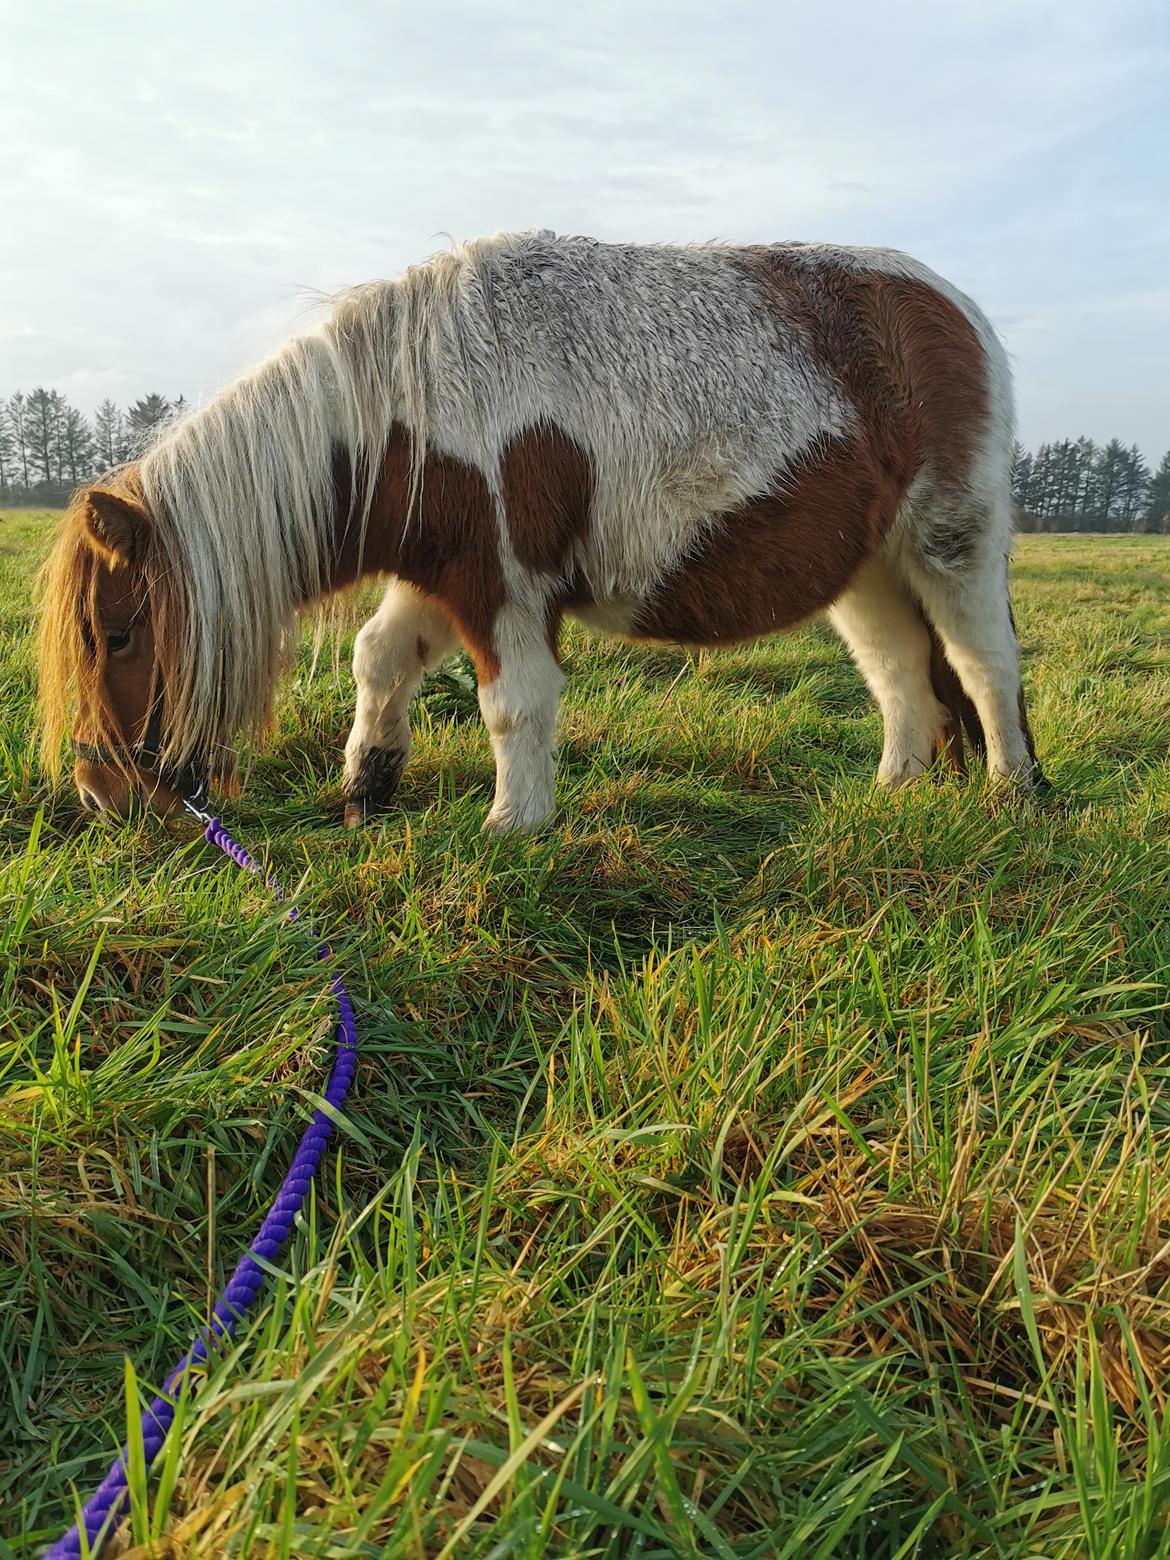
{"type": "Point", "coordinates": [197, 802]}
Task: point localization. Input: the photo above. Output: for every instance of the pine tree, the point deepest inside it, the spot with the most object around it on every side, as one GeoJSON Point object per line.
{"type": "Point", "coordinates": [108, 435]}
{"type": "Point", "coordinates": [41, 432]}
{"type": "Point", "coordinates": [1158, 498]}
{"type": "Point", "coordinates": [1132, 495]}
{"type": "Point", "coordinates": [59, 406]}
{"type": "Point", "coordinates": [143, 417]}
{"type": "Point", "coordinates": [1111, 465]}
{"type": "Point", "coordinates": [1065, 479]}
{"type": "Point", "coordinates": [18, 420]}
{"type": "Point", "coordinates": [1038, 487]}
{"type": "Point", "coordinates": [1083, 498]}
{"type": "Point", "coordinates": [124, 449]}
{"type": "Point", "coordinates": [7, 449]}
{"type": "Point", "coordinates": [1032, 490]}
{"type": "Point", "coordinates": [1021, 474]}
{"type": "Point", "coordinates": [76, 445]}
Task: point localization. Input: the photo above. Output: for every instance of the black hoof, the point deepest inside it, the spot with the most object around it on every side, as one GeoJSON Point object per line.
{"type": "Point", "coordinates": [374, 785]}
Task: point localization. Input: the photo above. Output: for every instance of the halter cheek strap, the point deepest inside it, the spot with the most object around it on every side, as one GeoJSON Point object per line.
{"type": "Point", "coordinates": [145, 752]}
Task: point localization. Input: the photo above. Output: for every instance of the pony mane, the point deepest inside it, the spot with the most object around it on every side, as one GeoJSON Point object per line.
{"type": "Point", "coordinates": [68, 633]}
{"type": "Point", "coordinates": [243, 496]}
{"type": "Point", "coordinates": [243, 500]}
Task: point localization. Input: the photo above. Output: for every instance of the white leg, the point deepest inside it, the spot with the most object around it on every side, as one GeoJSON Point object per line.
{"type": "Point", "coordinates": [519, 708]}
{"type": "Point", "coordinates": [886, 635]}
{"type": "Point", "coordinates": [408, 633]}
{"type": "Point", "coordinates": [972, 616]}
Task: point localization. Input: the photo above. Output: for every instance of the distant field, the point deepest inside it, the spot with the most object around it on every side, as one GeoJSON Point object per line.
{"type": "Point", "coordinates": [754, 1165]}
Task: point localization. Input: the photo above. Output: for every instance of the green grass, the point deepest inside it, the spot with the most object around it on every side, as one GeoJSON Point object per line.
{"type": "Point", "coordinates": [753, 1165]}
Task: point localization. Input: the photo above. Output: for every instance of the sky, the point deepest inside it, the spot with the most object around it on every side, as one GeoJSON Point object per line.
{"type": "Point", "coordinates": [179, 186]}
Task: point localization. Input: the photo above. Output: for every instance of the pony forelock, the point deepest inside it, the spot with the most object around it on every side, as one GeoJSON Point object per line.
{"type": "Point", "coordinates": [67, 669]}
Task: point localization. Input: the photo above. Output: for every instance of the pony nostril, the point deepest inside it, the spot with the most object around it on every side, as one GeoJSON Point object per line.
{"type": "Point", "coordinates": [89, 801]}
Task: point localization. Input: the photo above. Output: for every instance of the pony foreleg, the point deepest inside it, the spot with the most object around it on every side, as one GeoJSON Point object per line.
{"type": "Point", "coordinates": [407, 634]}
{"type": "Point", "coordinates": [519, 707]}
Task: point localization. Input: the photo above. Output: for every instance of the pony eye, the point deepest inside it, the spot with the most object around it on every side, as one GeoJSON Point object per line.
{"type": "Point", "coordinates": [116, 642]}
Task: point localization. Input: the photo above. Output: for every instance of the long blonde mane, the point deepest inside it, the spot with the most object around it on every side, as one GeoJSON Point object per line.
{"type": "Point", "coordinates": [243, 503]}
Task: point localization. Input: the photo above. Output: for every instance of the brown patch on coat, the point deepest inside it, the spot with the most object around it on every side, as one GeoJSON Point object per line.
{"type": "Point", "coordinates": [780, 557]}
{"type": "Point", "coordinates": [449, 546]}
{"type": "Point", "coordinates": [948, 747]}
{"type": "Point", "coordinates": [906, 356]}
{"type": "Point", "coordinates": [911, 365]}
{"type": "Point", "coordinates": [547, 486]}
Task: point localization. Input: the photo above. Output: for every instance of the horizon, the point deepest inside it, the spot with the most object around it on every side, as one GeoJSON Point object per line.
{"type": "Point", "coordinates": [213, 194]}
{"type": "Point", "coordinates": [184, 405]}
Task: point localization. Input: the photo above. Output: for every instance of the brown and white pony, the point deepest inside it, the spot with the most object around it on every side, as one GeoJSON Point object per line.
{"type": "Point", "coordinates": [693, 444]}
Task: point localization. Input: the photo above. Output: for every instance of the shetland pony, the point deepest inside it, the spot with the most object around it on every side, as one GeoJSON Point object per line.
{"type": "Point", "coordinates": [701, 445]}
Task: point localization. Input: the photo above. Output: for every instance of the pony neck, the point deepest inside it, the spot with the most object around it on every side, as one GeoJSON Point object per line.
{"type": "Point", "coordinates": [387, 536]}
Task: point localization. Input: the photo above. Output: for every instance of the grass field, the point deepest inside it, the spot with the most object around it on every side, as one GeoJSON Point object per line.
{"type": "Point", "coordinates": [754, 1165]}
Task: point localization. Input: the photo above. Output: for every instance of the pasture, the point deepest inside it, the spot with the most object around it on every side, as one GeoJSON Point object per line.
{"type": "Point", "coordinates": [752, 1165]}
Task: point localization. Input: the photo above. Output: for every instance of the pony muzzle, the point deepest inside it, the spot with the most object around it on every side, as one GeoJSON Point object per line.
{"type": "Point", "coordinates": [119, 783]}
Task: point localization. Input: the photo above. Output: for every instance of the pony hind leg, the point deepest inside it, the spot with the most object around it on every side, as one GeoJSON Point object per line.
{"type": "Point", "coordinates": [967, 603]}
{"type": "Point", "coordinates": [407, 635]}
{"type": "Point", "coordinates": [887, 637]}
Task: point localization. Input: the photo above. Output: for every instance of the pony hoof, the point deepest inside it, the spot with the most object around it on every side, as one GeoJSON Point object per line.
{"type": "Point", "coordinates": [372, 784]}
{"type": "Point", "coordinates": [519, 821]}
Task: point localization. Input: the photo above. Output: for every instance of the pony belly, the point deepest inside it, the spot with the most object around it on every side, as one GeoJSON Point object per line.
{"type": "Point", "coordinates": [706, 606]}
{"type": "Point", "coordinates": [686, 615]}
{"type": "Point", "coordinates": [779, 558]}
{"type": "Point", "coordinates": [615, 616]}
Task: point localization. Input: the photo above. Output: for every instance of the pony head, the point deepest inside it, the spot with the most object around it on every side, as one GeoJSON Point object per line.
{"type": "Point", "coordinates": [110, 637]}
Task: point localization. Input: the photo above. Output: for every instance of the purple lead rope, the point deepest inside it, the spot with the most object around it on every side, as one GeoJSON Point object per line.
{"type": "Point", "coordinates": [101, 1512]}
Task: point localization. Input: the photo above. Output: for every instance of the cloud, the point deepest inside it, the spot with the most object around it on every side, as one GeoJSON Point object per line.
{"type": "Point", "coordinates": [181, 177]}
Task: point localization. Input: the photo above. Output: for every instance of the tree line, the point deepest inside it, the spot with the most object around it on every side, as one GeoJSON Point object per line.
{"type": "Point", "coordinates": [1077, 485]}
{"type": "Point", "coordinates": [48, 447]}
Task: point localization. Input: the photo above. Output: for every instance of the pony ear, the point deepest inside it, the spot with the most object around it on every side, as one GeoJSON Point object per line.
{"type": "Point", "coordinates": [115, 526]}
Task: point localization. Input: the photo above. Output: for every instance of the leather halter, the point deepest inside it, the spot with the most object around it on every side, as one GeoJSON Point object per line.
{"type": "Point", "coordinates": [146, 753]}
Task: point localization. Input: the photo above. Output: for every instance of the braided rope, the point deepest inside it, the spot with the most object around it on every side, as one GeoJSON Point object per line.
{"type": "Point", "coordinates": [101, 1513]}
